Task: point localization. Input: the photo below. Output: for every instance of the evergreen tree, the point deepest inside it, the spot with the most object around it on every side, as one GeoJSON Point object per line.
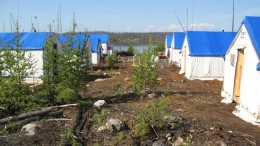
{"type": "Point", "coordinates": [15, 66]}
{"type": "Point", "coordinates": [145, 72]}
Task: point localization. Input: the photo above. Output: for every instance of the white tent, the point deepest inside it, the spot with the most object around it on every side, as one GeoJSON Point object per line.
{"type": "Point", "coordinates": [176, 45]}
{"type": "Point", "coordinates": [33, 44]}
{"type": "Point", "coordinates": [242, 68]}
{"type": "Point", "coordinates": [168, 41]}
{"type": "Point", "coordinates": [203, 54]}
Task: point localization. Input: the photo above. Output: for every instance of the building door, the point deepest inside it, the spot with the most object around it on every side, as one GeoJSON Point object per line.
{"type": "Point", "coordinates": [238, 75]}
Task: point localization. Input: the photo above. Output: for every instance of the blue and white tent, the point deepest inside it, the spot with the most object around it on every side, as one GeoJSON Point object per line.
{"type": "Point", "coordinates": [176, 45]}
{"type": "Point", "coordinates": [105, 42]}
{"type": "Point", "coordinates": [168, 41]}
{"type": "Point", "coordinates": [242, 73]}
{"type": "Point", "coordinates": [33, 43]}
{"type": "Point", "coordinates": [96, 49]}
{"type": "Point", "coordinates": [77, 40]}
{"type": "Point", "coordinates": [203, 54]}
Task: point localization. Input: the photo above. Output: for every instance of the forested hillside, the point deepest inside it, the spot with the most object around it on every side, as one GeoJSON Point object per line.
{"type": "Point", "coordinates": [135, 38]}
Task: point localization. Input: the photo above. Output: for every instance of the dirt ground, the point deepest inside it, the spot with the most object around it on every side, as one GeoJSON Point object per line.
{"type": "Point", "coordinates": [202, 119]}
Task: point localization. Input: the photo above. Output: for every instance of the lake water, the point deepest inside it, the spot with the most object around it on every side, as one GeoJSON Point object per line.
{"type": "Point", "coordinates": [139, 48]}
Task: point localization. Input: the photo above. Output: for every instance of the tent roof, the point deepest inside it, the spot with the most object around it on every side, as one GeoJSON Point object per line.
{"type": "Point", "coordinates": [169, 40]}
{"type": "Point", "coordinates": [104, 38]}
{"type": "Point", "coordinates": [28, 40]}
{"type": "Point", "coordinates": [203, 43]}
{"type": "Point", "coordinates": [252, 25]}
{"type": "Point", "coordinates": [78, 39]}
{"type": "Point", "coordinates": [178, 38]}
{"type": "Point", "coordinates": [94, 43]}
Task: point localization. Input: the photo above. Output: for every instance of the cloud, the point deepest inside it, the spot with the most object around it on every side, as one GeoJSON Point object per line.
{"type": "Point", "coordinates": [202, 26]}
{"type": "Point", "coordinates": [128, 28]}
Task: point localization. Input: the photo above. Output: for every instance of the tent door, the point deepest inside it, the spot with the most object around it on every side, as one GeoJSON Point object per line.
{"type": "Point", "coordinates": [238, 75]}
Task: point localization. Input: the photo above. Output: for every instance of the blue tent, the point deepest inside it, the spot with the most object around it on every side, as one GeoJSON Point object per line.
{"type": "Point", "coordinates": [94, 43]}
{"type": "Point", "coordinates": [78, 40]}
{"type": "Point", "coordinates": [203, 43]}
{"type": "Point", "coordinates": [104, 38]}
{"type": "Point", "coordinates": [178, 38]}
{"type": "Point", "coordinates": [28, 40]}
{"type": "Point", "coordinates": [169, 40]}
{"type": "Point", "coordinates": [252, 25]}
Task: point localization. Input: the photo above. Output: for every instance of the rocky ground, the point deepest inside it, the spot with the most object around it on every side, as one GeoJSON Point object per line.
{"type": "Point", "coordinates": [196, 116]}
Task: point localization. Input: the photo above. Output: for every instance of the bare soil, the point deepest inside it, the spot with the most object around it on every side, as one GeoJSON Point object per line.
{"type": "Point", "coordinates": [202, 119]}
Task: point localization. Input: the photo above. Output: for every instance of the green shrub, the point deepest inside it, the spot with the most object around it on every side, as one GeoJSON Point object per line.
{"type": "Point", "coordinates": [99, 117]}
{"type": "Point", "coordinates": [66, 96]}
{"type": "Point", "coordinates": [111, 60]}
{"type": "Point", "coordinates": [151, 117]}
{"type": "Point", "coordinates": [131, 50]}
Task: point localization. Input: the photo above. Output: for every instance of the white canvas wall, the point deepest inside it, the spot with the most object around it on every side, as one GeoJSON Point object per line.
{"type": "Point", "coordinates": [104, 46]}
{"type": "Point", "coordinates": [184, 54]}
{"type": "Point", "coordinates": [205, 68]}
{"type": "Point", "coordinates": [37, 56]}
{"type": "Point", "coordinates": [250, 80]}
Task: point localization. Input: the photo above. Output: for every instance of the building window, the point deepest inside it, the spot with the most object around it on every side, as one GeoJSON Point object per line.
{"type": "Point", "coordinates": [232, 59]}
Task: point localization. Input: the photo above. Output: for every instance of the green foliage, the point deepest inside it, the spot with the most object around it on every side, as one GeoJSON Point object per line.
{"type": "Point", "coordinates": [65, 70]}
{"type": "Point", "coordinates": [160, 47]}
{"type": "Point", "coordinates": [99, 117]}
{"type": "Point", "coordinates": [131, 50]}
{"type": "Point", "coordinates": [145, 72]}
{"type": "Point", "coordinates": [151, 117]}
{"type": "Point", "coordinates": [67, 95]}
{"type": "Point", "coordinates": [69, 138]}
{"type": "Point", "coordinates": [15, 65]}
{"type": "Point", "coordinates": [111, 59]}
{"type": "Point", "coordinates": [117, 89]}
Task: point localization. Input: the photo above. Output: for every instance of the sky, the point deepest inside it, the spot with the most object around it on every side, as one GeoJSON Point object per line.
{"type": "Point", "coordinates": [126, 15]}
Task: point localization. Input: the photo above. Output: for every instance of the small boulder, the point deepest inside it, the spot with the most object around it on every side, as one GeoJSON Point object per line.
{"type": "Point", "coordinates": [118, 73]}
{"type": "Point", "coordinates": [115, 125]}
{"type": "Point", "coordinates": [99, 103]}
{"type": "Point", "coordinates": [100, 80]}
{"type": "Point", "coordinates": [127, 79]}
{"type": "Point", "coordinates": [29, 129]}
{"type": "Point", "coordinates": [152, 95]}
{"type": "Point", "coordinates": [159, 143]}
{"type": "Point", "coordinates": [179, 141]}
{"type": "Point", "coordinates": [101, 128]}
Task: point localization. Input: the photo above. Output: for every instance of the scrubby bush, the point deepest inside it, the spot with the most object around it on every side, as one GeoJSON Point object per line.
{"type": "Point", "coordinates": [66, 96]}
{"type": "Point", "coordinates": [151, 117]}
{"type": "Point", "coordinates": [111, 59]}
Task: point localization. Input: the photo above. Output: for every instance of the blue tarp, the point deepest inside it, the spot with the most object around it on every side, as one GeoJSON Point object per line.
{"type": "Point", "coordinates": [258, 66]}
{"type": "Point", "coordinates": [77, 39]}
{"type": "Point", "coordinates": [27, 40]}
{"type": "Point", "coordinates": [169, 40]}
{"type": "Point", "coordinates": [104, 38]}
{"type": "Point", "coordinates": [252, 24]}
{"type": "Point", "coordinates": [203, 43]}
{"type": "Point", "coordinates": [178, 40]}
{"type": "Point", "coordinates": [94, 43]}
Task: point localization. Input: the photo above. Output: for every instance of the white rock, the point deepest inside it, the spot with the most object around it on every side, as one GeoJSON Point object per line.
{"type": "Point", "coordinates": [159, 79]}
{"type": "Point", "coordinates": [100, 80]}
{"type": "Point", "coordinates": [115, 125]}
{"type": "Point", "coordinates": [179, 141]}
{"type": "Point", "coordinates": [159, 143]}
{"type": "Point", "coordinates": [29, 129]}
{"type": "Point", "coordinates": [168, 135]}
{"type": "Point", "coordinates": [99, 103]}
{"type": "Point", "coordinates": [126, 79]}
{"type": "Point", "coordinates": [101, 128]}
{"type": "Point", "coordinates": [152, 95]}
{"type": "Point", "coordinates": [118, 73]}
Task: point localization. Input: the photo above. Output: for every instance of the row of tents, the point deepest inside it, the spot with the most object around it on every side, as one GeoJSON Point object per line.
{"type": "Point", "coordinates": [96, 45]}
{"type": "Point", "coordinates": [233, 57]}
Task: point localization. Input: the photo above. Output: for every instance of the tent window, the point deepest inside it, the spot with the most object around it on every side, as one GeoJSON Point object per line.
{"type": "Point", "coordinates": [232, 59]}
